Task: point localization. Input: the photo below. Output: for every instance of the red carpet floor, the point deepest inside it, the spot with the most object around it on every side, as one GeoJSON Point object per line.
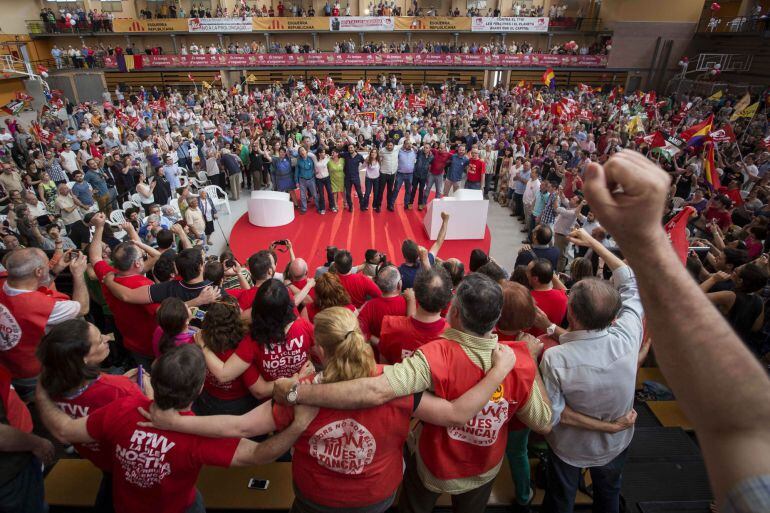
{"type": "Point", "coordinates": [357, 231]}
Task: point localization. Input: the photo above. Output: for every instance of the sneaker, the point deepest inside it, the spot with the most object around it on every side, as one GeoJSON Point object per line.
{"type": "Point", "coordinates": [408, 207]}
{"type": "Point", "coordinates": [421, 207]}
{"type": "Point", "coordinates": [391, 209]}
{"type": "Point", "coordinates": [377, 209]}
{"type": "Point", "coordinates": [322, 212]}
{"type": "Point", "coordinates": [335, 210]}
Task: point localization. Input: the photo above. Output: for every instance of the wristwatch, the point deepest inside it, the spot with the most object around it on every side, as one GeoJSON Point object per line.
{"type": "Point", "coordinates": [293, 394]}
{"type": "Point", "coordinates": [550, 330]}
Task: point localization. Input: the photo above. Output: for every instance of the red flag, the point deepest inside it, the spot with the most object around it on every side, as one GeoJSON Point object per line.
{"type": "Point", "coordinates": [41, 69]}
{"type": "Point", "coordinates": [675, 229]}
{"type": "Point", "coordinates": [189, 75]}
{"type": "Point", "coordinates": [724, 134]}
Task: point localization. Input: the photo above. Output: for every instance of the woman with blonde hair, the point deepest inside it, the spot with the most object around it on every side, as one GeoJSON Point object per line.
{"type": "Point", "coordinates": [358, 451]}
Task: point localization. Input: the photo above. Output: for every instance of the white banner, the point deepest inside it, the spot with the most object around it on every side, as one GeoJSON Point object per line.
{"type": "Point", "coordinates": [511, 24]}
{"type": "Point", "coordinates": [361, 24]}
{"type": "Point", "coordinates": [219, 24]}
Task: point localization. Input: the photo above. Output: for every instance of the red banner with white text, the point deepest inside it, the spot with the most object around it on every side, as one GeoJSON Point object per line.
{"type": "Point", "coordinates": [366, 59]}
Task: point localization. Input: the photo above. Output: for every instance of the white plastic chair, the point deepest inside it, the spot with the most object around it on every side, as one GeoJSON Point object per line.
{"type": "Point", "coordinates": [184, 181]}
{"type": "Point", "coordinates": [136, 199]}
{"type": "Point", "coordinates": [219, 197]}
{"type": "Point", "coordinates": [117, 217]}
{"type": "Point", "coordinates": [203, 177]}
{"type": "Point", "coordinates": [128, 204]}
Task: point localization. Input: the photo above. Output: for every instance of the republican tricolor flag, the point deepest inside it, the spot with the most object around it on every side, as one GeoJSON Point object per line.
{"type": "Point", "coordinates": [696, 134]}
{"type": "Point", "coordinates": [709, 167]}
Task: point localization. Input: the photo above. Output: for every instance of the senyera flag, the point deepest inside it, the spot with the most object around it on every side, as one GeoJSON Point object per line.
{"type": "Point", "coordinates": [676, 230]}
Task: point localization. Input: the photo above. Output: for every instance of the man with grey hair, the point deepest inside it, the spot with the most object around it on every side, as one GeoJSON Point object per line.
{"type": "Point", "coordinates": [388, 279]}
{"type": "Point", "coordinates": [592, 371]}
{"type": "Point", "coordinates": [28, 308]}
{"type": "Point", "coordinates": [462, 460]}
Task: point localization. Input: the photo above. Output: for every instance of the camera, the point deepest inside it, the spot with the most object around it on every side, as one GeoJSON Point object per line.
{"type": "Point", "coordinates": [282, 242]}
{"type": "Point", "coordinates": [229, 263]}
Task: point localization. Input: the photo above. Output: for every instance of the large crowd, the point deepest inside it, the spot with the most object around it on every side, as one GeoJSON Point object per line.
{"type": "Point", "coordinates": [116, 315]}
{"type": "Point", "coordinates": [101, 21]}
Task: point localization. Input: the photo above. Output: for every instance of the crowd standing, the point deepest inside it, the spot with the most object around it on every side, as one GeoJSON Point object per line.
{"type": "Point", "coordinates": [108, 271]}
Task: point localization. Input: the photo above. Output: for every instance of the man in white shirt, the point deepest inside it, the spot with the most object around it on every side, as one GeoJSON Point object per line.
{"type": "Point", "coordinates": [528, 199]}
{"type": "Point", "coordinates": [85, 133]}
{"type": "Point", "coordinates": [68, 159]}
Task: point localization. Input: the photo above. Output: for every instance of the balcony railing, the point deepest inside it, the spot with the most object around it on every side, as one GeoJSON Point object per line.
{"type": "Point", "coordinates": [734, 24]}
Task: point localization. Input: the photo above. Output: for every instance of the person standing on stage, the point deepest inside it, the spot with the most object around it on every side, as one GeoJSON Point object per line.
{"type": "Point", "coordinates": [353, 161]}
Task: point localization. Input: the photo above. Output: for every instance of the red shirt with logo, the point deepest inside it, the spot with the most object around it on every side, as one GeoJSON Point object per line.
{"type": "Point", "coordinates": [350, 458]}
{"type": "Point", "coordinates": [279, 360]}
{"type": "Point", "coordinates": [476, 170]}
{"type": "Point", "coordinates": [371, 314]}
{"type": "Point", "coordinates": [23, 318]}
{"type": "Point", "coordinates": [101, 392]}
{"type": "Point", "coordinates": [312, 310]}
{"type": "Point", "coordinates": [360, 287]}
{"type": "Point", "coordinates": [153, 470]}
{"type": "Point", "coordinates": [402, 336]}
{"type": "Point", "coordinates": [136, 323]}
{"type": "Point", "coordinates": [478, 446]}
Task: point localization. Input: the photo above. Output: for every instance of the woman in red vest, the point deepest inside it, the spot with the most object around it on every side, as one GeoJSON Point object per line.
{"type": "Point", "coordinates": [278, 344]}
{"type": "Point", "coordinates": [358, 451]}
{"type": "Point", "coordinates": [70, 355]}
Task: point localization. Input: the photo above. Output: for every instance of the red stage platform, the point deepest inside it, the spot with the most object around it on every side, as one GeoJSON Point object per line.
{"type": "Point", "coordinates": [355, 231]}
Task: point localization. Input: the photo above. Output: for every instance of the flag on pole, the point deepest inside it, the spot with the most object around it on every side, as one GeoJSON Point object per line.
{"type": "Point", "coordinates": [635, 125]}
{"type": "Point", "coordinates": [549, 78]}
{"type": "Point", "coordinates": [740, 106]}
{"type": "Point", "coordinates": [251, 79]}
{"type": "Point", "coordinates": [748, 112]}
{"type": "Point", "coordinates": [189, 75]}
{"type": "Point", "coordinates": [709, 167]}
{"type": "Point", "coordinates": [716, 96]}
{"type": "Point", "coordinates": [677, 234]}
{"type": "Point", "coordinates": [696, 134]}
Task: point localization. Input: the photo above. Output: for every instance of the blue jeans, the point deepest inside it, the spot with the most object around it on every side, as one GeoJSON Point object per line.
{"type": "Point", "coordinates": [562, 485]}
{"type": "Point", "coordinates": [306, 185]}
{"type": "Point", "coordinates": [436, 181]}
{"type": "Point", "coordinates": [25, 491]}
{"type": "Point", "coordinates": [473, 185]}
{"type": "Point", "coordinates": [418, 191]}
{"type": "Point", "coordinates": [404, 179]}
{"type": "Point", "coordinates": [349, 186]}
{"type": "Point", "coordinates": [372, 185]}
{"type": "Point", "coordinates": [325, 184]}
{"type": "Point", "coordinates": [386, 183]}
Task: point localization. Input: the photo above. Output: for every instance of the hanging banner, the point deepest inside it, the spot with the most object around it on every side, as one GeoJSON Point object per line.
{"type": "Point", "coordinates": [510, 24]}
{"type": "Point", "coordinates": [328, 59]}
{"type": "Point", "coordinates": [290, 24]}
{"type": "Point", "coordinates": [445, 23]}
{"type": "Point", "coordinates": [160, 25]}
{"type": "Point", "coordinates": [217, 25]}
{"type": "Point", "coordinates": [361, 24]}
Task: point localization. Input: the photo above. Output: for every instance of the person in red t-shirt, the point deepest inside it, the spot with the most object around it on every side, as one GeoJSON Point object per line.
{"type": "Point", "coordinates": [23, 454]}
{"type": "Point", "coordinates": [136, 323]}
{"type": "Point", "coordinates": [278, 345]}
{"type": "Point", "coordinates": [549, 298]}
{"type": "Point", "coordinates": [476, 170]}
{"type": "Point", "coordinates": [358, 451]}
{"type": "Point", "coordinates": [391, 303]}
{"type": "Point", "coordinates": [402, 336]}
{"type": "Point", "coordinates": [719, 208]}
{"type": "Point", "coordinates": [70, 355]}
{"type": "Point", "coordinates": [155, 470]}
{"type": "Point", "coordinates": [328, 292]}
{"type": "Point", "coordinates": [441, 156]}
{"type": "Point", "coordinates": [359, 286]}
{"type": "Point", "coordinates": [223, 332]}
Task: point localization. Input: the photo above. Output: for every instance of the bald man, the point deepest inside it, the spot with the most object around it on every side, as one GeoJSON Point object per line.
{"type": "Point", "coordinates": [29, 308]}
{"type": "Point", "coordinates": [297, 278]}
